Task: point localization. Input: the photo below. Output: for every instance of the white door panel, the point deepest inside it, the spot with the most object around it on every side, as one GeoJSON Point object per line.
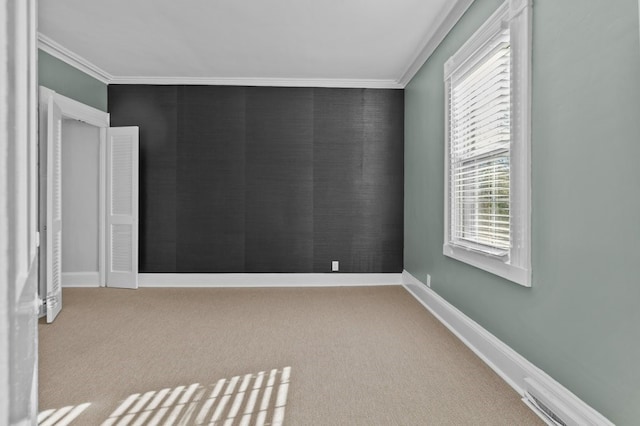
{"type": "Point", "coordinates": [54, 211]}
{"type": "Point", "coordinates": [122, 207]}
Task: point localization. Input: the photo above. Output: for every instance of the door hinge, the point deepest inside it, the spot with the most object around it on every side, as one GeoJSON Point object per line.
{"type": "Point", "coordinates": [42, 307]}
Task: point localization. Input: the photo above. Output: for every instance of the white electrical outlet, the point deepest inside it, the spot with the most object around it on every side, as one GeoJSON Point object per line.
{"type": "Point", "coordinates": [335, 265]}
{"type": "Point", "coordinates": [429, 280]}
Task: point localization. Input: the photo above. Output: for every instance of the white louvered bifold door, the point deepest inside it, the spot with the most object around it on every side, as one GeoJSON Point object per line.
{"type": "Point", "coordinates": [122, 207]}
{"type": "Point", "coordinates": [54, 211]}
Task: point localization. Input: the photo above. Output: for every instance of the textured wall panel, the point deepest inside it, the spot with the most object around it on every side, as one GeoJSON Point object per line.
{"type": "Point", "coordinates": [337, 177]}
{"type": "Point", "coordinates": [381, 233]}
{"type": "Point", "coordinates": [279, 179]}
{"type": "Point", "coordinates": [211, 179]}
{"type": "Point", "coordinates": [358, 179]}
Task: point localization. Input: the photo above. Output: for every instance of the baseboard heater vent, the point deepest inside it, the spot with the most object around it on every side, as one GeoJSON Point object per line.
{"type": "Point", "coordinates": [548, 407]}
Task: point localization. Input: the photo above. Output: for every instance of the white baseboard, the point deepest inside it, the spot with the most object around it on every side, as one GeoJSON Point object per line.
{"type": "Point", "coordinates": [80, 279]}
{"type": "Point", "coordinates": [267, 280]}
{"type": "Point", "coordinates": [512, 367]}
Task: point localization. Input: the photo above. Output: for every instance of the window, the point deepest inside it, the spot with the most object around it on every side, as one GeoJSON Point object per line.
{"type": "Point", "coordinates": [487, 172]}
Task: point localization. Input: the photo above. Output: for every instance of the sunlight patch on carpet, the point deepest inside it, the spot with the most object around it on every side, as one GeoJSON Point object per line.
{"type": "Point", "coordinates": [258, 399]}
{"type": "Point", "coordinates": [62, 416]}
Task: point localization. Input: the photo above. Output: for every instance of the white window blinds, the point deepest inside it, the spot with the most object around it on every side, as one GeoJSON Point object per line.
{"type": "Point", "coordinates": [479, 149]}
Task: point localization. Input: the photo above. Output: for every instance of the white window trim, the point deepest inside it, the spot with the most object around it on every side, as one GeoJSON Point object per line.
{"type": "Point", "coordinates": [517, 15]}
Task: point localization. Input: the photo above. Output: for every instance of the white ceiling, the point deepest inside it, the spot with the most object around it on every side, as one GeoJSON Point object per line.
{"type": "Point", "coordinates": [373, 40]}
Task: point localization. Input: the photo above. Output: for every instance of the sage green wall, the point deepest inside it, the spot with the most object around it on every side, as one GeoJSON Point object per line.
{"type": "Point", "coordinates": [71, 82]}
{"type": "Point", "coordinates": [580, 322]}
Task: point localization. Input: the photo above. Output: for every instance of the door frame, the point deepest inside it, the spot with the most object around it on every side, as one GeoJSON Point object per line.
{"type": "Point", "coordinates": [72, 109]}
{"type": "Point", "coordinates": [18, 213]}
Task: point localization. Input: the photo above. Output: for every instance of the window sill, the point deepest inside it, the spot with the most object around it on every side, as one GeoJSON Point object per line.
{"type": "Point", "coordinates": [489, 263]}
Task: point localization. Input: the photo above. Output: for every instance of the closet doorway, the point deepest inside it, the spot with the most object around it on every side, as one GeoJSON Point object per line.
{"type": "Point", "coordinates": [82, 200]}
{"type": "Point", "coordinates": [88, 200]}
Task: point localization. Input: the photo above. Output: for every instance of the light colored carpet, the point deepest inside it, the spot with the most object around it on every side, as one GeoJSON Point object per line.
{"type": "Point", "coordinates": [324, 356]}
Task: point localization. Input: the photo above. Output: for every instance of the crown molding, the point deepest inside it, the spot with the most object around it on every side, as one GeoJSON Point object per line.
{"type": "Point", "coordinates": [65, 55]}
{"type": "Point", "coordinates": [447, 19]}
{"type": "Point", "coordinates": [57, 50]}
{"type": "Point", "coordinates": [249, 81]}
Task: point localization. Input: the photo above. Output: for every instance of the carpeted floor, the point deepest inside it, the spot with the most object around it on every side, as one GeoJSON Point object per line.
{"type": "Point", "coordinates": [308, 356]}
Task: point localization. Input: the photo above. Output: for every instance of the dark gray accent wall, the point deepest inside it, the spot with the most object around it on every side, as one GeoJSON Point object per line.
{"type": "Point", "coordinates": [263, 179]}
{"type": "Point", "coordinates": [155, 110]}
{"type": "Point", "coordinates": [358, 173]}
{"type": "Point", "coordinates": [279, 180]}
{"type": "Point", "coordinates": [210, 187]}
